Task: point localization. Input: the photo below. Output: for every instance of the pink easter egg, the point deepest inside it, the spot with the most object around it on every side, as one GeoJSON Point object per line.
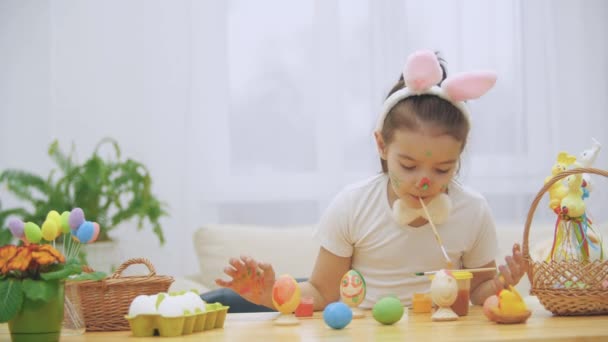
{"type": "Point", "coordinates": [95, 232]}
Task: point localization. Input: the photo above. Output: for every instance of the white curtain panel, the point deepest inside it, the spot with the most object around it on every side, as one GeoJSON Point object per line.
{"type": "Point", "coordinates": [260, 111]}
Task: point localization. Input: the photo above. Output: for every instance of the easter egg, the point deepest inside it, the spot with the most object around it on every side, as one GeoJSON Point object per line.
{"type": "Point", "coordinates": [32, 232]}
{"type": "Point", "coordinates": [196, 303]}
{"type": "Point", "coordinates": [170, 306]}
{"type": "Point", "coordinates": [444, 288]}
{"type": "Point", "coordinates": [49, 229]}
{"type": "Point", "coordinates": [76, 218]}
{"type": "Point", "coordinates": [142, 305]}
{"type": "Point", "coordinates": [286, 294]}
{"type": "Point", "coordinates": [65, 222]}
{"type": "Point", "coordinates": [85, 232]}
{"type": "Point", "coordinates": [337, 315]}
{"type": "Point", "coordinates": [53, 215]}
{"type": "Point", "coordinates": [488, 304]}
{"type": "Point", "coordinates": [184, 302]}
{"type": "Point", "coordinates": [388, 310]}
{"type": "Point", "coordinates": [16, 227]}
{"type": "Point", "coordinates": [352, 288]}
{"type": "Point", "coordinates": [95, 232]}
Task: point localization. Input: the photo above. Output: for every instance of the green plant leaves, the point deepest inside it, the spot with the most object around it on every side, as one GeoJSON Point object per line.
{"type": "Point", "coordinates": [22, 184]}
{"type": "Point", "coordinates": [64, 272]}
{"type": "Point", "coordinates": [42, 290]}
{"type": "Point", "coordinates": [64, 162]}
{"type": "Point", "coordinates": [11, 299]}
{"type": "Point", "coordinates": [110, 190]}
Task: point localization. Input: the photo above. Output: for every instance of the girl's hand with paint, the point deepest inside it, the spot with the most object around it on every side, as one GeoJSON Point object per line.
{"type": "Point", "coordinates": [251, 279]}
{"type": "Point", "coordinates": [511, 272]}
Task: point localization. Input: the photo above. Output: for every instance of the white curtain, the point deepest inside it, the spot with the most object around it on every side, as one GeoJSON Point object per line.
{"type": "Point", "coordinates": [259, 112]}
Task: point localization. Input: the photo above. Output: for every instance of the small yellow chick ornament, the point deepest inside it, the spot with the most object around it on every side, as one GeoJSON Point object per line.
{"type": "Point", "coordinates": [507, 307]}
{"type": "Point", "coordinates": [558, 190]}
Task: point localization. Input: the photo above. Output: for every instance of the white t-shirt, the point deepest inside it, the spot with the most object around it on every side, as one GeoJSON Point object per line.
{"type": "Point", "coordinates": [359, 223]}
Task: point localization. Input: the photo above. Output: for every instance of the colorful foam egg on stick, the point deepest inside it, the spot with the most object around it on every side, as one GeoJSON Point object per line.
{"type": "Point", "coordinates": [65, 222]}
{"type": "Point", "coordinates": [54, 217]}
{"type": "Point", "coordinates": [32, 232]}
{"type": "Point", "coordinates": [95, 232]}
{"type": "Point", "coordinates": [286, 298]}
{"type": "Point", "coordinates": [352, 291]}
{"type": "Point", "coordinates": [49, 230]}
{"type": "Point", "coordinates": [76, 218]}
{"type": "Point", "coordinates": [85, 232]}
{"type": "Point", "coordinates": [16, 226]}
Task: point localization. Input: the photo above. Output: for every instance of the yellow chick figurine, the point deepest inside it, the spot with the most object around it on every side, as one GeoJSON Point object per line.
{"type": "Point", "coordinates": [557, 191]}
{"type": "Point", "coordinates": [511, 307]}
{"type": "Point", "coordinates": [572, 204]}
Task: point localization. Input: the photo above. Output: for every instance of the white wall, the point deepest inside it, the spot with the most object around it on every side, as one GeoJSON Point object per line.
{"type": "Point", "coordinates": [260, 111]}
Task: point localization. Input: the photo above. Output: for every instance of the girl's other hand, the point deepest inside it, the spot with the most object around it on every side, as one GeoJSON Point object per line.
{"type": "Point", "coordinates": [252, 280]}
{"type": "Point", "coordinates": [515, 268]}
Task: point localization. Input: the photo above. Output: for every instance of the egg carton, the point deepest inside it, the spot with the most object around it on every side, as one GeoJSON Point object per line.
{"type": "Point", "coordinates": [156, 325]}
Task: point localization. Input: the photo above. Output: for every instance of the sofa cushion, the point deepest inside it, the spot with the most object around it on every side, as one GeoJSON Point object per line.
{"type": "Point", "coordinates": [289, 249]}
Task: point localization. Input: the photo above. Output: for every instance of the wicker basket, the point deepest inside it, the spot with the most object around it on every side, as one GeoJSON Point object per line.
{"type": "Point", "coordinates": [105, 303]}
{"type": "Point", "coordinates": [548, 279]}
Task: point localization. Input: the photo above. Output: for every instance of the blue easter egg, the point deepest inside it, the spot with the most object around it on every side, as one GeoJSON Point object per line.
{"type": "Point", "coordinates": [337, 315]}
{"type": "Point", "coordinates": [85, 231]}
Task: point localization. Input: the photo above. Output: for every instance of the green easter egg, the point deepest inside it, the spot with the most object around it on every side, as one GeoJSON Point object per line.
{"type": "Point", "coordinates": [65, 222]}
{"type": "Point", "coordinates": [33, 234]}
{"type": "Point", "coordinates": [388, 310]}
{"type": "Point", "coordinates": [49, 230]}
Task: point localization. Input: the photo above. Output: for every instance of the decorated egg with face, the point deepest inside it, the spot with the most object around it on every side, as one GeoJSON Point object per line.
{"type": "Point", "coordinates": [352, 288]}
{"type": "Point", "coordinates": [444, 288]}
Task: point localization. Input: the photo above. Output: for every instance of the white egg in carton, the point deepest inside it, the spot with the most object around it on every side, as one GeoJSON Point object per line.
{"type": "Point", "coordinates": [174, 314]}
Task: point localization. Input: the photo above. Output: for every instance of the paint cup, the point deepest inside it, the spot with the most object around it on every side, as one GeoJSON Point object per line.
{"type": "Point", "coordinates": [422, 303]}
{"type": "Point", "coordinates": [463, 300]}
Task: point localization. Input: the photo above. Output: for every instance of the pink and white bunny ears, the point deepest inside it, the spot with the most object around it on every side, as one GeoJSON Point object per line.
{"type": "Point", "coordinates": [422, 73]}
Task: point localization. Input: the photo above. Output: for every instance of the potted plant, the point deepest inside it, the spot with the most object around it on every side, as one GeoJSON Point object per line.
{"type": "Point", "coordinates": [32, 290]}
{"type": "Point", "coordinates": [111, 191]}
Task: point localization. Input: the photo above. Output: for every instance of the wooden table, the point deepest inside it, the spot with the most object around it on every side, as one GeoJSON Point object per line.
{"type": "Point", "coordinates": [412, 327]}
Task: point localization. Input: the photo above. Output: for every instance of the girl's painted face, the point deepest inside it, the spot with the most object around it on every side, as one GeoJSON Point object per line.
{"type": "Point", "coordinates": [420, 164]}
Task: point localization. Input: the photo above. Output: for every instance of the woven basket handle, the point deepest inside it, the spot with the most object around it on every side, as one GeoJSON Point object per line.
{"type": "Point", "coordinates": [539, 196]}
{"type": "Point", "coordinates": [134, 261]}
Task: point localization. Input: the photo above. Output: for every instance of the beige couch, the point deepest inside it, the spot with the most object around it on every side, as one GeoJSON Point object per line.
{"type": "Point", "coordinates": [290, 249]}
{"type": "Point", "coordinates": [293, 250]}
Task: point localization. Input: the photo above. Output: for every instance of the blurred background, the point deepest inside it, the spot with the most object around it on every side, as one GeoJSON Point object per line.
{"type": "Point", "coordinates": [259, 112]}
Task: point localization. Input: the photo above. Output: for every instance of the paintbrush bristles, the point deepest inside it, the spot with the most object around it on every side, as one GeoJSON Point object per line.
{"type": "Point", "coordinates": [437, 237]}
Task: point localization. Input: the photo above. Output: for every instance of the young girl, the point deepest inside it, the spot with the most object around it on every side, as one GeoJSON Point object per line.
{"type": "Point", "coordinates": [380, 226]}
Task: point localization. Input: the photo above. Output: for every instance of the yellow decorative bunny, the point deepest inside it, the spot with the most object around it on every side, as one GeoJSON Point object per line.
{"type": "Point", "coordinates": [572, 204]}
{"type": "Point", "coordinates": [558, 190]}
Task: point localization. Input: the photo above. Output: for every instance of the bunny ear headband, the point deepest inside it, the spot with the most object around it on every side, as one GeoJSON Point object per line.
{"type": "Point", "coordinates": [421, 74]}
